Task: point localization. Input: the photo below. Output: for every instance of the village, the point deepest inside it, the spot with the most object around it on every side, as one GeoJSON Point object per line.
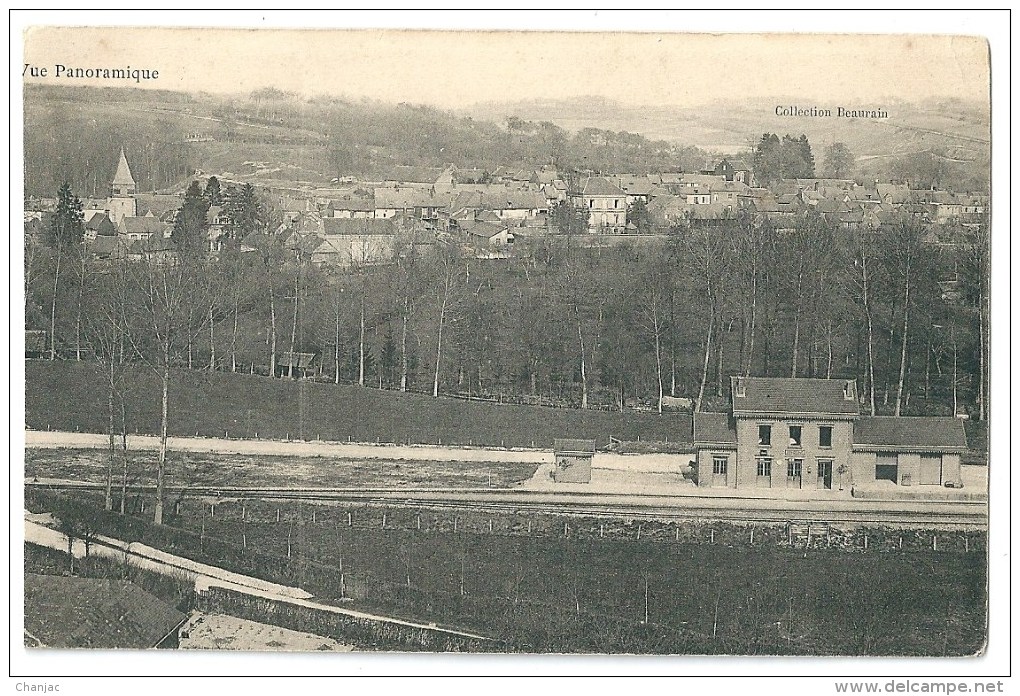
{"type": "Point", "coordinates": [487, 212]}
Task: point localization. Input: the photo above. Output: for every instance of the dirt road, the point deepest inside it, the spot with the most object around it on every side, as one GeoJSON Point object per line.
{"type": "Point", "coordinates": [48, 439]}
{"type": "Point", "coordinates": [646, 463]}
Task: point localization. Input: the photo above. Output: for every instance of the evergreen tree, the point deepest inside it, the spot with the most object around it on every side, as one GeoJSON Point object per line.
{"type": "Point", "coordinates": [213, 191]}
{"type": "Point", "coordinates": [637, 213]}
{"type": "Point", "coordinates": [67, 227]}
{"type": "Point", "coordinates": [190, 224]}
{"type": "Point", "coordinates": [246, 211]}
{"type": "Point", "coordinates": [807, 159]}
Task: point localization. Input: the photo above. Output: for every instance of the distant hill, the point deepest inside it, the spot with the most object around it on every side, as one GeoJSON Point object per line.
{"type": "Point", "coordinates": [275, 138]}
{"type": "Point", "coordinates": [955, 129]}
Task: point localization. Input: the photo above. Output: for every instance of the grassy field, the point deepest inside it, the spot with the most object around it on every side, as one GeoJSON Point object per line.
{"type": "Point", "coordinates": [580, 593]}
{"type": "Point", "coordinates": [66, 395]}
{"type": "Point", "coordinates": [212, 469]}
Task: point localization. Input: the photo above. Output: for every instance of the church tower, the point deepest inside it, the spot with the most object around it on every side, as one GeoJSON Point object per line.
{"type": "Point", "coordinates": [122, 195]}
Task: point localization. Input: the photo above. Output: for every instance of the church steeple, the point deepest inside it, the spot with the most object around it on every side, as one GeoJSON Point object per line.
{"type": "Point", "coordinates": [123, 182]}
{"type": "Point", "coordinates": [121, 203]}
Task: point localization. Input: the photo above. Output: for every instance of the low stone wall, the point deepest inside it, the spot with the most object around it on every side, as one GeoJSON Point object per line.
{"type": "Point", "coordinates": [644, 463]}
{"type": "Point", "coordinates": [364, 631]}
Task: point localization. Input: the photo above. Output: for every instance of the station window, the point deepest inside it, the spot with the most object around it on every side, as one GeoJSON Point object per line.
{"type": "Point", "coordinates": [825, 436]}
{"type": "Point", "coordinates": [764, 434]}
{"type": "Point", "coordinates": [765, 466]}
{"type": "Point", "coordinates": [795, 435]}
{"type": "Point", "coordinates": [719, 465]}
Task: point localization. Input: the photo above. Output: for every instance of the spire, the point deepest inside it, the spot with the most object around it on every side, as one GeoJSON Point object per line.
{"type": "Point", "coordinates": [123, 176]}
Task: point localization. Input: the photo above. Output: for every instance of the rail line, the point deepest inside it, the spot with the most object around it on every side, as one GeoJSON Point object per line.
{"type": "Point", "coordinates": [955, 514]}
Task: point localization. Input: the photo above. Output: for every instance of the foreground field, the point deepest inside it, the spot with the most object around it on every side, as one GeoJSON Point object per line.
{"type": "Point", "coordinates": [215, 469]}
{"type": "Point", "coordinates": [66, 395]}
{"type": "Point", "coordinates": [568, 590]}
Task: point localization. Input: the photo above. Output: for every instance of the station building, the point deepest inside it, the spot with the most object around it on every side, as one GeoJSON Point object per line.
{"type": "Point", "coordinates": [810, 434]}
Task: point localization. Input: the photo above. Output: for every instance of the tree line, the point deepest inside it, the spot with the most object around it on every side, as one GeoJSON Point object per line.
{"type": "Point", "coordinates": [556, 324]}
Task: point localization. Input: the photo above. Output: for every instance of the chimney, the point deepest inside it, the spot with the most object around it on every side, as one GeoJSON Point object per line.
{"type": "Point", "coordinates": [850, 390]}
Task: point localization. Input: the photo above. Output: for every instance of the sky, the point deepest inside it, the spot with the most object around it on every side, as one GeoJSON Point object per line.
{"type": "Point", "coordinates": [454, 69]}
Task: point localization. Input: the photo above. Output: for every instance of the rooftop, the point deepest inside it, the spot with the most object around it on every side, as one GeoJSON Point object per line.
{"type": "Point", "coordinates": [358, 226]}
{"type": "Point", "coordinates": [568, 445]}
{"type": "Point", "coordinates": [794, 396]}
{"type": "Point", "coordinates": [909, 432]}
{"type": "Point", "coordinates": [714, 428]}
{"type": "Point", "coordinates": [123, 175]}
{"type": "Point", "coordinates": [73, 612]}
{"type": "Point", "coordinates": [600, 186]}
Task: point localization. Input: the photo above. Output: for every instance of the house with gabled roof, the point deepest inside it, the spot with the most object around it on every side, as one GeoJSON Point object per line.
{"type": "Point", "coordinates": [605, 202]}
{"type": "Point", "coordinates": [421, 203]}
{"type": "Point", "coordinates": [99, 226]}
{"type": "Point", "coordinates": [355, 242]}
{"type": "Point", "coordinates": [735, 170]}
{"type": "Point", "coordinates": [142, 228]}
{"type": "Point", "coordinates": [796, 433]}
{"type": "Point", "coordinates": [350, 206]}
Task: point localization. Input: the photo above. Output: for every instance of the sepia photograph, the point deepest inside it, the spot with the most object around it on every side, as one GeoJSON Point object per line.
{"type": "Point", "coordinates": [546, 342]}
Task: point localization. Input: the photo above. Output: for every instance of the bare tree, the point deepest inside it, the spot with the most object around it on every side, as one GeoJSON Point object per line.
{"type": "Point", "coordinates": [105, 326]}
{"type": "Point", "coordinates": [170, 288]}
{"type": "Point", "coordinates": [449, 300]}
{"type": "Point", "coordinates": [907, 263]}
{"type": "Point", "coordinates": [753, 237]}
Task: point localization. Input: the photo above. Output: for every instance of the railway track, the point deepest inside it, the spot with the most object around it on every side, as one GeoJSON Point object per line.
{"type": "Point", "coordinates": [937, 515]}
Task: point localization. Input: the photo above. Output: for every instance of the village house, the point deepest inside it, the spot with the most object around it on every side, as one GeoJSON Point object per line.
{"type": "Point", "coordinates": [482, 237]}
{"type": "Point", "coordinates": [809, 434]}
{"type": "Point", "coordinates": [728, 193]}
{"type": "Point", "coordinates": [136, 229]}
{"type": "Point", "coordinates": [637, 188]}
{"type": "Point", "coordinates": [703, 181]}
{"type": "Point", "coordinates": [350, 206]}
{"type": "Point", "coordinates": [735, 170]}
{"type": "Point", "coordinates": [99, 226]}
{"type": "Point", "coordinates": [506, 203]}
{"type": "Point", "coordinates": [606, 204]}
{"type": "Point", "coordinates": [158, 205]}
{"type": "Point", "coordinates": [421, 203]}
{"type": "Point", "coordinates": [697, 195]}
{"type": "Point", "coordinates": [351, 242]}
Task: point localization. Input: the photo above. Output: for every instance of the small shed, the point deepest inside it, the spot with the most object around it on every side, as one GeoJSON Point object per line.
{"type": "Point", "coordinates": [295, 364]}
{"type": "Point", "coordinates": [573, 460]}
